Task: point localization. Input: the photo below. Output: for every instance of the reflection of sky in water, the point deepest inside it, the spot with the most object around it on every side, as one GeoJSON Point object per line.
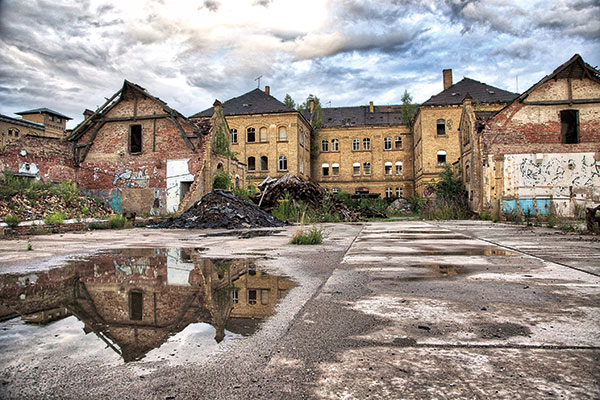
{"type": "Point", "coordinates": [30, 344]}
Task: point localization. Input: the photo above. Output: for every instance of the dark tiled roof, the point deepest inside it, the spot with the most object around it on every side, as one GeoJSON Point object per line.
{"type": "Point", "coordinates": [254, 102]}
{"type": "Point", "coordinates": [481, 92]}
{"type": "Point", "coordinates": [360, 116]}
{"type": "Point", "coordinates": [22, 122]}
{"type": "Point", "coordinates": [484, 115]}
{"type": "Point", "coordinates": [43, 110]}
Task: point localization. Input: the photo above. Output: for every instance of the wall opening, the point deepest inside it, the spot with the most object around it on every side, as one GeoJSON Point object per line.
{"type": "Point", "coordinates": [184, 187]}
{"type": "Point", "coordinates": [135, 139]}
{"type": "Point", "coordinates": [569, 122]}
{"type": "Point", "coordinates": [136, 304]}
{"type": "Point", "coordinates": [441, 127]}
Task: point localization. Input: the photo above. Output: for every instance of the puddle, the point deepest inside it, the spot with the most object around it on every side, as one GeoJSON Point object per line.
{"type": "Point", "coordinates": [428, 251]}
{"type": "Point", "coordinates": [243, 234]}
{"type": "Point", "coordinates": [133, 304]}
{"type": "Point", "coordinates": [425, 272]}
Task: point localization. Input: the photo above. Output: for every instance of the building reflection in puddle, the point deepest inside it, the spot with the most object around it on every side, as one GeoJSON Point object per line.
{"type": "Point", "coordinates": [134, 300]}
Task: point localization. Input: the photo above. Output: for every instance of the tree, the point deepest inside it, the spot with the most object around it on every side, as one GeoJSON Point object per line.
{"type": "Point", "coordinates": [316, 120]}
{"type": "Point", "coordinates": [408, 108]}
{"type": "Point", "coordinates": [288, 101]}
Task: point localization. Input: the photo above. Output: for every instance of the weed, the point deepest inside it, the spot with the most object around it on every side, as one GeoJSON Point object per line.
{"type": "Point", "coordinates": [12, 220]}
{"type": "Point", "coordinates": [485, 215]}
{"type": "Point", "coordinates": [513, 216]}
{"type": "Point", "coordinates": [97, 225]}
{"type": "Point", "coordinates": [243, 193]}
{"type": "Point", "coordinates": [56, 218]}
{"type": "Point", "coordinates": [314, 235]}
{"type": "Point", "coordinates": [29, 246]}
{"type": "Point", "coordinates": [118, 222]}
{"type": "Point", "coordinates": [42, 231]}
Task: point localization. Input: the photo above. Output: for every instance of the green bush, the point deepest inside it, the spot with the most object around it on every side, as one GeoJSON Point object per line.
{"type": "Point", "coordinates": [243, 193]}
{"type": "Point", "coordinates": [313, 236]}
{"type": "Point", "coordinates": [56, 218]}
{"type": "Point", "coordinates": [12, 220]}
{"type": "Point", "coordinates": [118, 222]}
{"type": "Point", "coordinates": [485, 215]}
{"type": "Point", "coordinates": [222, 181]}
{"type": "Point", "coordinates": [514, 216]}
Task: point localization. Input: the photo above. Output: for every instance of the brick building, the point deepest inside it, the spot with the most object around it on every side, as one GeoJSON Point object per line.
{"type": "Point", "coordinates": [142, 156]}
{"type": "Point", "coordinates": [542, 151]}
{"type": "Point", "coordinates": [270, 137]}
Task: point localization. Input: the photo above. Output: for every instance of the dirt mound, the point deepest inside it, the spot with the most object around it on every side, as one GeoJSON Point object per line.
{"type": "Point", "coordinates": [222, 209]}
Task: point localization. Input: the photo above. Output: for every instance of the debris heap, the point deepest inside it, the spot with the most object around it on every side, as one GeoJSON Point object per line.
{"type": "Point", "coordinates": [222, 209]}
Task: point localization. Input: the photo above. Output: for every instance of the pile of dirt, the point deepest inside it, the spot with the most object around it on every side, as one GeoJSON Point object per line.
{"type": "Point", "coordinates": [222, 209]}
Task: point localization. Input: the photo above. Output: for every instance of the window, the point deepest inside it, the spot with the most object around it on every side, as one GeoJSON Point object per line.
{"type": "Point", "coordinates": [398, 142]}
{"type": "Point", "coordinates": [252, 296]}
{"type": "Point", "coordinates": [366, 144]}
{"type": "Point", "coordinates": [136, 305]}
{"type": "Point", "coordinates": [50, 118]}
{"type": "Point", "coordinates": [282, 165]}
{"type": "Point", "coordinates": [264, 296]}
{"type": "Point", "coordinates": [236, 296]}
{"type": "Point", "coordinates": [282, 134]}
{"type": "Point", "coordinates": [250, 135]}
{"type": "Point", "coordinates": [387, 143]}
{"type": "Point", "coordinates": [569, 122]}
{"type": "Point", "coordinates": [234, 138]}
{"type": "Point", "coordinates": [399, 192]}
{"type": "Point", "coordinates": [367, 168]}
{"type": "Point", "coordinates": [398, 168]}
{"type": "Point", "coordinates": [467, 173]}
{"type": "Point", "coordinates": [58, 119]}
{"type": "Point", "coordinates": [301, 138]}
{"type": "Point", "coordinates": [356, 168]}
{"type": "Point", "coordinates": [335, 191]}
{"type": "Point", "coordinates": [263, 134]}
{"type": "Point", "coordinates": [13, 131]}
{"type": "Point", "coordinates": [324, 145]}
{"type": "Point", "coordinates": [335, 145]}
{"type": "Point", "coordinates": [135, 139]}
{"type": "Point", "coordinates": [441, 127]}
{"type": "Point", "coordinates": [441, 157]}
{"type": "Point", "coordinates": [264, 163]}
{"type": "Point", "coordinates": [237, 182]}
{"type": "Point", "coordinates": [388, 192]}
{"type": "Point", "coordinates": [251, 164]}
{"type": "Point", "coordinates": [335, 169]}
{"type": "Point", "coordinates": [355, 144]}
{"type": "Point", "coordinates": [301, 166]}
{"type": "Point", "coordinates": [325, 169]}
{"type": "Point", "coordinates": [388, 167]}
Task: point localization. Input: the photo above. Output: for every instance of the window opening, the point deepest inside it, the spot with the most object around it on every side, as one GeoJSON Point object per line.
{"type": "Point", "coordinates": [283, 163]}
{"type": "Point", "coordinates": [335, 169]}
{"type": "Point", "coordinates": [356, 169]}
{"type": "Point", "coordinates": [335, 145]}
{"type": "Point", "coordinates": [324, 145]}
{"type": "Point", "coordinates": [263, 134]}
{"type": "Point", "coordinates": [388, 168]}
{"type": "Point", "coordinates": [398, 168]}
{"type": "Point", "coordinates": [251, 296]}
{"type": "Point", "coordinates": [367, 168]}
{"type": "Point", "coordinates": [282, 135]}
{"type": "Point", "coordinates": [569, 121]}
{"type": "Point", "coordinates": [264, 163]}
{"type": "Point", "coordinates": [325, 169]}
{"type": "Point", "coordinates": [250, 135]}
{"type": "Point", "coordinates": [135, 139]}
{"type": "Point", "coordinates": [387, 143]}
{"type": "Point", "coordinates": [355, 144]}
{"type": "Point", "coordinates": [366, 144]}
{"type": "Point", "coordinates": [234, 136]}
{"type": "Point", "coordinates": [251, 163]}
{"type": "Point", "coordinates": [441, 127]}
{"type": "Point", "coordinates": [441, 157]}
{"type": "Point", "coordinates": [136, 304]}
{"type": "Point", "coordinates": [398, 142]}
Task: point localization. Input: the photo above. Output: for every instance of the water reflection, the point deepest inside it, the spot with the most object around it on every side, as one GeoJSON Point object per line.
{"type": "Point", "coordinates": [134, 300]}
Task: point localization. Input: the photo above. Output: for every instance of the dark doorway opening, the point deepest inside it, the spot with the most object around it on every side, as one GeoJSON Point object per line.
{"type": "Point", "coordinates": [569, 121]}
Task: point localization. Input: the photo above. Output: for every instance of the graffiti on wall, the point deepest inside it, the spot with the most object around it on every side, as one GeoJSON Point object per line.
{"type": "Point", "coordinates": [131, 179]}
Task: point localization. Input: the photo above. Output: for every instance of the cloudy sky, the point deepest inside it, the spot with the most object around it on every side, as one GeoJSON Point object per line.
{"type": "Point", "coordinates": [70, 55]}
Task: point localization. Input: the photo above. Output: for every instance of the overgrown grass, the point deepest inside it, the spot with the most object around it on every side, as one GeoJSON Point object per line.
{"type": "Point", "coordinates": [55, 218]}
{"type": "Point", "coordinates": [314, 235]}
{"type": "Point", "coordinates": [119, 222]}
{"type": "Point", "coordinates": [12, 220]}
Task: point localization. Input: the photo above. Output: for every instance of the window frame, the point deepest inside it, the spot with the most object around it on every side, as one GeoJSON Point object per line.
{"type": "Point", "coordinates": [233, 134]}
{"type": "Point", "coordinates": [355, 144]}
{"type": "Point", "coordinates": [397, 139]}
{"type": "Point", "coordinates": [367, 168]}
{"type": "Point", "coordinates": [387, 143]}
{"type": "Point", "coordinates": [440, 123]}
{"type": "Point", "coordinates": [324, 146]}
{"type": "Point", "coordinates": [248, 131]}
{"type": "Point", "coordinates": [253, 163]}
{"type": "Point", "coordinates": [264, 159]}
{"type": "Point", "coordinates": [366, 142]}
{"type": "Point", "coordinates": [282, 160]}
{"type": "Point", "coordinates": [335, 145]}
{"type": "Point", "coordinates": [280, 137]}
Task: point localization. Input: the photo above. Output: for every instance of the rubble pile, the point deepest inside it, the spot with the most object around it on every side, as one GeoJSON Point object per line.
{"type": "Point", "coordinates": [222, 209]}
{"type": "Point", "coordinates": [399, 205]}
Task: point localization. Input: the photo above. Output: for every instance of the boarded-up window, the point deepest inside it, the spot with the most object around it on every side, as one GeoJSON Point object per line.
{"type": "Point", "coordinates": [569, 121]}
{"type": "Point", "coordinates": [136, 305]}
{"type": "Point", "coordinates": [135, 139]}
{"type": "Point", "coordinates": [264, 296]}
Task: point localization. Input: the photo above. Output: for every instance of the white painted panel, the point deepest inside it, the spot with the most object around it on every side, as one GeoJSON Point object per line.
{"type": "Point", "coordinates": [177, 171]}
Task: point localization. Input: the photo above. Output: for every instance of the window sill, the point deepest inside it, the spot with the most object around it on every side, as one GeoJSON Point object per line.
{"type": "Point", "coordinates": [441, 136]}
{"type": "Point", "coordinates": [361, 151]}
{"type": "Point", "coordinates": [282, 141]}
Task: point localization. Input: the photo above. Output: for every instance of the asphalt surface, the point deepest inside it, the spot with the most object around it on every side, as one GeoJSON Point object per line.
{"type": "Point", "coordinates": [388, 310]}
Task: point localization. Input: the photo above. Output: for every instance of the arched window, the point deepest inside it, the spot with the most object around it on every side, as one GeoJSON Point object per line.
{"type": "Point", "coordinates": [335, 169]}
{"type": "Point", "coordinates": [335, 145]}
{"type": "Point", "coordinates": [263, 134]}
{"type": "Point", "coordinates": [388, 167]}
{"type": "Point", "coordinates": [467, 173]}
{"type": "Point", "coordinates": [250, 135]}
{"type": "Point", "coordinates": [251, 164]}
{"type": "Point", "coordinates": [398, 142]}
{"type": "Point", "coordinates": [264, 163]}
{"type": "Point", "coordinates": [282, 163]}
{"type": "Point", "coordinates": [441, 127]}
{"type": "Point", "coordinates": [282, 134]}
{"type": "Point", "coordinates": [324, 145]}
{"type": "Point", "coordinates": [355, 144]}
{"type": "Point", "coordinates": [220, 167]}
{"type": "Point", "coordinates": [398, 168]}
{"type": "Point", "coordinates": [367, 168]}
{"type": "Point", "coordinates": [234, 138]}
{"type": "Point", "coordinates": [325, 169]}
{"type": "Point", "coordinates": [441, 157]}
{"type": "Point", "coordinates": [387, 144]}
{"type": "Point", "coordinates": [356, 168]}
{"type": "Point", "coordinates": [366, 144]}
{"type": "Point", "coordinates": [237, 182]}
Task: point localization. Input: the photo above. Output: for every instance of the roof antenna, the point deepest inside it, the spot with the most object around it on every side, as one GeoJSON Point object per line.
{"type": "Point", "coordinates": [258, 79]}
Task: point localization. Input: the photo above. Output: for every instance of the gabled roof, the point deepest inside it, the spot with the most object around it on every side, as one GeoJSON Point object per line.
{"type": "Point", "coordinates": [21, 122]}
{"type": "Point", "coordinates": [43, 111]}
{"type": "Point", "coordinates": [253, 102]}
{"type": "Point", "coordinates": [360, 116]}
{"type": "Point", "coordinates": [575, 68]}
{"type": "Point", "coordinates": [480, 92]}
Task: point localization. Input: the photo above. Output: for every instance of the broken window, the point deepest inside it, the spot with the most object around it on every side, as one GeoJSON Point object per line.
{"type": "Point", "coordinates": [263, 134]}
{"type": "Point", "coordinates": [366, 144]}
{"type": "Point", "coordinates": [264, 163]}
{"type": "Point", "coordinates": [335, 145]}
{"type": "Point", "coordinates": [136, 304]}
{"type": "Point", "coordinates": [335, 169]}
{"type": "Point", "coordinates": [236, 296]}
{"type": "Point", "coordinates": [324, 145]}
{"type": "Point", "coordinates": [355, 144]}
{"type": "Point", "coordinates": [388, 168]}
{"type": "Point", "coordinates": [251, 296]}
{"type": "Point", "coordinates": [282, 135]}
{"type": "Point", "coordinates": [356, 168]}
{"type": "Point", "coordinates": [441, 127]}
{"type": "Point", "coordinates": [325, 169]}
{"type": "Point", "coordinates": [387, 143]}
{"type": "Point", "coordinates": [251, 164]}
{"type": "Point", "coordinates": [250, 135]}
{"type": "Point", "coordinates": [135, 139]}
{"type": "Point", "coordinates": [234, 138]}
{"type": "Point", "coordinates": [367, 168]}
{"type": "Point", "coordinates": [569, 121]}
{"type": "Point", "coordinates": [282, 163]}
{"type": "Point", "coordinates": [398, 168]}
{"type": "Point", "coordinates": [441, 157]}
{"type": "Point", "coordinates": [397, 142]}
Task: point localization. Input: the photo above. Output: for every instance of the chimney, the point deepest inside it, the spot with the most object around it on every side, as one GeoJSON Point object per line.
{"type": "Point", "coordinates": [447, 73]}
{"type": "Point", "coordinates": [370, 106]}
{"type": "Point", "coordinates": [217, 104]}
{"type": "Point", "coordinates": [312, 106]}
{"type": "Point", "coordinates": [87, 113]}
{"type": "Point", "coordinates": [268, 90]}
{"type": "Point", "coordinates": [468, 99]}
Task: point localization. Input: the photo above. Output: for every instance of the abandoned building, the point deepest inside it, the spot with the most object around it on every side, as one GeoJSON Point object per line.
{"type": "Point", "coordinates": [142, 156]}
{"type": "Point", "coordinates": [541, 153]}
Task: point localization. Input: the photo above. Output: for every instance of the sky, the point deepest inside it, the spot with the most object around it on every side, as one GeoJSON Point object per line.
{"type": "Point", "coordinates": [71, 55]}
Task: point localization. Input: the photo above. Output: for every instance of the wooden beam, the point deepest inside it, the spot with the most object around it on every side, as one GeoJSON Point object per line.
{"type": "Point", "coordinates": [173, 119]}
{"type": "Point", "coordinates": [91, 117]}
{"type": "Point", "coordinates": [91, 141]}
{"type": "Point", "coordinates": [136, 118]}
{"type": "Point", "coordinates": [560, 102]}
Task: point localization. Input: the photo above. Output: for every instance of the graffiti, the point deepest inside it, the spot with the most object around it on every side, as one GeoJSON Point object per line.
{"type": "Point", "coordinates": [130, 179]}
{"type": "Point", "coordinates": [115, 201]}
{"type": "Point", "coordinates": [558, 170]}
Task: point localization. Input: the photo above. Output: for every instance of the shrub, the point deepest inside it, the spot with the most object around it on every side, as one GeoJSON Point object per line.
{"type": "Point", "coordinates": [221, 181]}
{"type": "Point", "coordinates": [56, 218]}
{"type": "Point", "coordinates": [12, 220]}
{"type": "Point", "coordinates": [486, 216]}
{"type": "Point", "coordinates": [313, 236]}
{"type": "Point", "coordinates": [29, 246]}
{"type": "Point", "coordinates": [97, 225]}
{"type": "Point", "coordinates": [514, 216]}
{"type": "Point", "coordinates": [243, 193]}
{"type": "Point", "coordinates": [117, 222]}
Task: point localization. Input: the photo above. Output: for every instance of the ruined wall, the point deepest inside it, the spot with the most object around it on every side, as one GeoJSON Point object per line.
{"type": "Point", "coordinates": [41, 158]}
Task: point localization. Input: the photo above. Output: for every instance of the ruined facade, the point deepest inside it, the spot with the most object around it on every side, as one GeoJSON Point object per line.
{"type": "Point", "coordinates": [541, 153]}
{"type": "Point", "coordinates": [436, 125]}
{"type": "Point", "coordinates": [142, 156]}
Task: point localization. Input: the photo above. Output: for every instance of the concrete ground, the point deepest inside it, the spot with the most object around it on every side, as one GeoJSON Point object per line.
{"type": "Point", "coordinates": [465, 309]}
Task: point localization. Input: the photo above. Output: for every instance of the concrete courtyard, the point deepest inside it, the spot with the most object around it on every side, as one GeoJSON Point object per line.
{"type": "Point", "coordinates": [394, 310]}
